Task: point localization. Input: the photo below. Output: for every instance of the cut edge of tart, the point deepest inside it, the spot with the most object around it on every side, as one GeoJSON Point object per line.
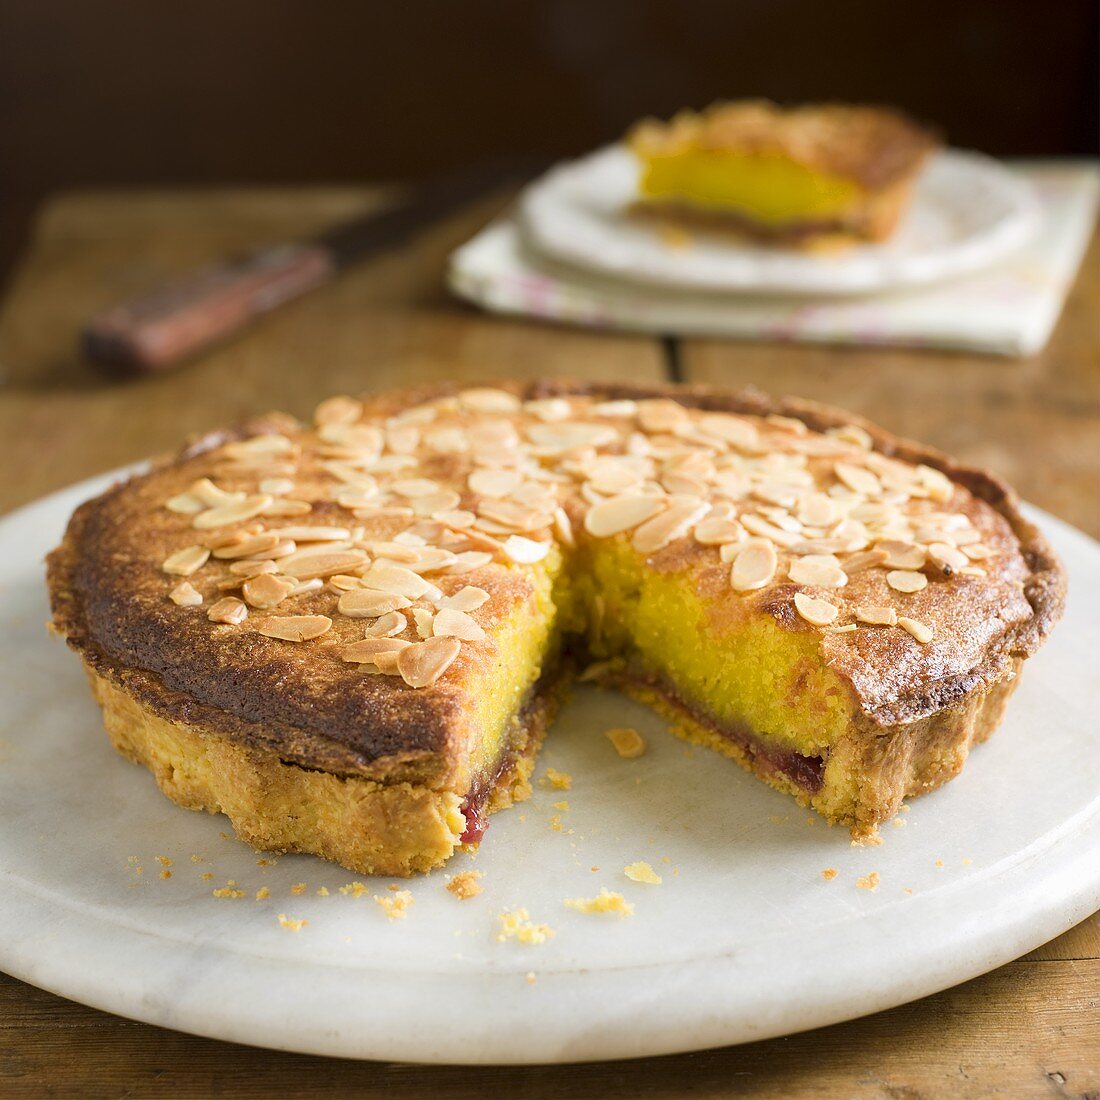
{"type": "Point", "coordinates": [351, 637]}
{"type": "Point", "coordinates": [803, 176]}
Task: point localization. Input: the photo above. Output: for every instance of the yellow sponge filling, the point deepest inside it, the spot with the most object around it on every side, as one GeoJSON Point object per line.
{"type": "Point", "coordinates": [746, 672]}
{"type": "Point", "coordinates": [768, 187]}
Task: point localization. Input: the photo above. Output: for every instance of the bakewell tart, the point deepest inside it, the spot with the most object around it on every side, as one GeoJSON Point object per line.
{"type": "Point", "coordinates": [803, 176]}
{"type": "Point", "coordinates": [349, 636]}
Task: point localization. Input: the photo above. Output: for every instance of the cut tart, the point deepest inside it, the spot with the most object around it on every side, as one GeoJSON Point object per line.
{"type": "Point", "coordinates": [803, 176]}
{"type": "Point", "coordinates": [349, 636]}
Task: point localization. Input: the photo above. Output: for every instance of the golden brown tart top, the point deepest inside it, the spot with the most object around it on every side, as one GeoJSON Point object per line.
{"type": "Point", "coordinates": [277, 581]}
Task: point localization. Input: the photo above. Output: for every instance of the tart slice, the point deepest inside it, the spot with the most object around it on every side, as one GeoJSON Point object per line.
{"type": "Point", "coordinates": [801, 176]}
{"type": "Point", "coordinates": [349, 636]}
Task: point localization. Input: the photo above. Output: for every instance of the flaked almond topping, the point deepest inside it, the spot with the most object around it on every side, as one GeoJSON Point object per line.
{"type": "Point", "coordinates": [228, 610]}
{"type": "Point", "coordinates": [857, 478]}
{"type": "Point", "coordinates": [185, 595]}
{"type": "Point", "coordinates": [730, 429]}
{"type": "Point", "coordinates": [422, 663]}
{"type": "Point", "coordinates": [238, 512]}
{"type": "Point", "coordinates": [250, 568]}
{"type": "Point", "coordinates": [617, 409]}
{"type": "Point", "coordinates": [344, 582]}
{"type": "Point", "coordinates": [396, 580]}
{"type": "Point", "coordinates": [259, 446]}
{"type": "Point", "coordinates": [293, 628]}
{"type": "Point", "coordinates": [184, 504]}
{"type": "Point", "coordinates": [813, 610]}
{"type": "Point", "coordinates": [754, 565]}
{"type": "Point", "coordinates": [757, 525]}
{"type": "Point", "coordinates": [947, 557]}
{"type": "Point", "coordinates": [906, 580]}
{"type": "Point", "coordinates": [817, 570]}
{"type": "Point", "coordinates": [249, 547]}
{"type": "Point", "coordinates": [549, 408]}
{"type": "Point", "coordinates": [305, 533]}
{"type": "Point", "coordinates": [431, 559]}
{"type": "Point", "coordinates": [186, 561]}
{"type": "Point", "coordinates": [517, 517]}
{"type": "Point", "coordinates": [523, 551]}
{"type": "Point", "coordinates": [456, 624]}
{"type": "Point", "coordinates": [865, 559]}
{"type": "Point", "coordinates": [900, 554]}
{"type": "Point", "coordinates": [386, 626]}
{"type": "Point", "coordinates": [621, 513]}
{"type": "Point", "coordinates": [413, 487]}
{"type": "Point", "coordinates": [434, 504]}
{"type": "Point", "coordinates": [558, 438]}
{"type": "Point", "coordinates": [469, 598]}
{"type": "Point", "coordinates": [423, 619]}
{"type": "Point", "coordinates": [376, 651]}
{"type": "Point", "coordinates": [467, 561]}
{"type": "Point", "coordinates": [277, 486]}
{"type": "Point", "coordinates": [666, 527]}
{"type": "Point", "coordinates": [977, 552]}
{"type": "Point", "coordinates": [457, 518]}
{"type": "Point", "coordinates": [211, 495]}
{"type": "Point", "coordinates": [313, 585]}
{"type": "Point", "coordinates": [877, 616]}
{"type": "Point", "coordinates": [563, 528]}
{"type": "Point", "coordinates": [489, 400]}
{"type": "Point", "coordinates": [717, 530]}
{"type": "Point", "coordinates": [337, 410]}
{"type": "Point", "coordinates": [370, 603]}
{"type": "Point", "coordinates": [818, 510]}
{"type": "Point", "coordinates": [306, 566]}
{"type": "Point", "coordinates": [494, 483]}
{"type": "Point", "coordinates": [854, 434]}
{"type": "Point", "coordinates": [923, 634]}
{"type": "Point", "coordinates": [266, 590]}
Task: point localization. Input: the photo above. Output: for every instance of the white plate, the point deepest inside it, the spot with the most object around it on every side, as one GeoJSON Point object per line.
{"type": "Point", "coordinates": [967, 212]}
{"type": "Point", "coordinates": [743, 940]}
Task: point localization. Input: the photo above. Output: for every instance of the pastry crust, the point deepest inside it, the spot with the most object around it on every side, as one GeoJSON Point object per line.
{"type": "Point", "coordinates": [233, 721]}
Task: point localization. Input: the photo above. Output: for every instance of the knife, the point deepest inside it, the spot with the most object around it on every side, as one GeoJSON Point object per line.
{"type": "Point", "coordinates": [175, 321]}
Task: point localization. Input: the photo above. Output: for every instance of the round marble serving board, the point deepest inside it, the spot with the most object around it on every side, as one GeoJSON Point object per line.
{"type": "Point", "coordinates": [967, 212]}
{"type": "Point", "coordinates": [744, 939]}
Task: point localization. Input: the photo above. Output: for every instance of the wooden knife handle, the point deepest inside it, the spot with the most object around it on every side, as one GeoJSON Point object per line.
{"type": "Point", "coordinates": [156, 330]}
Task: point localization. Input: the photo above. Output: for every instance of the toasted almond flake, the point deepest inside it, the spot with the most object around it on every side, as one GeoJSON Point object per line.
{"type": "Point", "coordinates": [456, 624]}
{"type": "Point", "coordinates": [252, 568]}
{"type": "Point", "coordinates": [947, 557]}
{"type": "Point", "coordinates": [489, 400]}
{"type": "Point", "coordinates": [305, 566]}
{"type": "Point", "coordinates": [265, 591]}
{"type": "Point", "coordinates": [237, 512]}
{"type": "Point", "coordinates": [313, 585]}
{"type": "Point", "coordinates": [306, 533]}
{"type": "Point", "coordinates": [718, 530]}
{"type": "Point", "coordinates": [549, 408]}
{"type": "Point", "coordinates": [524, 551]}
{"type": "Point", "coordinates": [621, 513]}
{"type": "Point", "coordinates": [337, 410]}
{"type": "Point", "coordinates": [877, 616]}
{"type": "Point", "coordinates": [248, 547]}
{"type": "Point", "coordinates": [563, 528]}
{"type": "Point", "coordinates": [628, 742]}
{"type": "Point", "coordinates": [815, 611]}
{"type": "Point", "coordinates": [423, 619]}
{"type": "Point", "coordinates": [847, 628]}
{"type": "Point", "coordinates": [857, 478]}
{"type": "Point", "coordinates": [435, 504]}
{"type": "Point", "coordinates": [397, 580]}
{"type": "Point", "coordinates": [757, 525]}
{"type": "Point", "coordinates": [422, 663]}
{"type": "Point", "coordinates": [259, 446]}
{"type": "Point", "coordinates": [818, 510]}
{"type": "Point", "coordinates": [558, 438]}
{"type": "Point", "coordinates": [901, 554]}
{"type": "Point", "coordinates": [469, 598]}
{"type": "Point", "coordinates": [369, 603]}
{"type": "Point", "coordinates": [906, 580]}
{"type": "Point", "coordinates": [373, 650]}
{"type": "Point", "coordinates": [228, 610]}
{"type": "Point", "coordinates": [922, 633]}
{"type": "Point", "coordinates": [513, 516]}
{"type": "Point", "coordinates": [666, 527]}
{"type": "Point", "coordinates": [186, 561]}
{"type": "Point", "coordinates": [277, 486]}
{"type": "Point", "coordinates": [293, 628]}
{"type": "Point", "coordinates": [414, 487]}
{"type": "Point", "coordinates": [754, 565]}
{"type": "Point", "coordinates": [977, 552]}
{"type": "Point", "coordinates": [211, 495]}
{"type": "Point", "coordinates": [818, 571]}
{"type": "Point", "coordinates": [467, 561]}
{"type": "Point", "coordinates": [386, 626]}
{"type": "Point", "coordinates": [184, 504]}
{"type": "Point", "coordinates": [185, 595]}
{"type": "Point", "coordinates": [730, 429]}
{"type": "Point", "coordinates": [494, 483]}
{"type": "Point", "coordinates": [866, 559]}
{"type": "Point", "coordinates": [342, 582]}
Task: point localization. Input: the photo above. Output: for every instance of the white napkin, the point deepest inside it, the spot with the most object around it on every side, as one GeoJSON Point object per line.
{"type": "Point", "coordinates": [1009, 309]}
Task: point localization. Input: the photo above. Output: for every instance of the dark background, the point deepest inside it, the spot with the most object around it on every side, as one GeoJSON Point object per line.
{"type": "Point", "coordinates": [139, 92]}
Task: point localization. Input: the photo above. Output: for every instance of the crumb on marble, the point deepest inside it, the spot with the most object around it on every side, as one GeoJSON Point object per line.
{"type": "Point", "coordinates": [628, 742]}
{"type": "Point", "coordinates": [560, 781]}
{"type": "Point", "coordinates": [868, 882]}
{"type": "Point", "coordinates": [395, 905]}
{"type": "Point", "coordinates": [517, 925]}
{"type": "Point", "coordinates": [262, 893]}
{"type": "Point", "coordinates": [829, 874]}
{"type": "Point", "coordinates": [354, 889]}
{"type": "Point", "coordinates": [642, 872]}
{"type": "Point", "coordinates": [465, 885]}
{"type": "Point", "coordinates": [606, 901]}
{"type": "Point", "coordinates": [290, 924]}
{"type": "Point", "coordinates": [298, 888]}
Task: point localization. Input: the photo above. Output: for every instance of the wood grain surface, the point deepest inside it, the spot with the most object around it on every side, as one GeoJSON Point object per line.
{"type": "Point", "coordinates": [1029, 1029]}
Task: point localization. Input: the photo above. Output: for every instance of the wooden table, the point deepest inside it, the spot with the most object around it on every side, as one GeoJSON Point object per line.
{"type": "Point", "coordinates": [1030, 1029]}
